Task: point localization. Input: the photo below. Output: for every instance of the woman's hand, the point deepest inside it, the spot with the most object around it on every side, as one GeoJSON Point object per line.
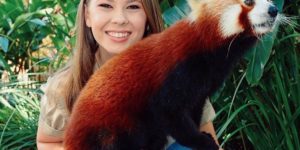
{"type": "Point", "coordinates": [46, 142]}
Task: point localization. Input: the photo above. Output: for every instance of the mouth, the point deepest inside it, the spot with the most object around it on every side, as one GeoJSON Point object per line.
{"type": "Point", "coordinates": [118, 34]}
{"type": "Point", "coordinates": [264, 27]}
{"type": "Point", "coordinates": [267, 24]}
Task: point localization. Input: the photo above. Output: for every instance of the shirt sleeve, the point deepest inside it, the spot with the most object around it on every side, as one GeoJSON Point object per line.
{"type": "Point", "coordinates": [53, 112]}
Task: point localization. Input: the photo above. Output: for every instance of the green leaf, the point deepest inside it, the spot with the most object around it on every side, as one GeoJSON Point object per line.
{"type": "Point", "coordinates": [230, 119]}
{"type": "Point", "coordinates": [172, 15]}
{"type": "Point", "coordinates": [38, 22]}
{"type": "Point", "coordinates": [21, 20]}
{"type": "Point", "coordinates": [183, 5]}
{"type": "Point", "coordinates": [259, 55]}
{"type": "Point", "coordinates": [164, 5]}
{"type": "Point", "coordinates": [258, 58]}
{"type": "Point", "coordinates": [279, 4]}
{"type": "Point", "coordinates": [2, 62]}
{"type": "Point", "coordinates": [4, 44]}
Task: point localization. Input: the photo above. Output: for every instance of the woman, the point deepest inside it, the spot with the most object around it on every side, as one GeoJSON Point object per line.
{"type": "Point", "coordinates": [104, 29]}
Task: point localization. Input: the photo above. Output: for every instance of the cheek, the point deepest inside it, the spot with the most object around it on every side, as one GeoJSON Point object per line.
{"type": "Point", "coordinates": [139, 24]}
{"type": "Point", "coordinates": [98, 24]}
{"type": "Point", "coordinates": [98, 20]}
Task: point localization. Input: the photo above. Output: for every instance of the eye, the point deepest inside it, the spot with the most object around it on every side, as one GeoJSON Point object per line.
{"type": "Point", "coordinates": [249, 2]}
{"type": "Point", "coordinates": [105, 5]}
{"type": "Point", "coordinates": [133, 7]}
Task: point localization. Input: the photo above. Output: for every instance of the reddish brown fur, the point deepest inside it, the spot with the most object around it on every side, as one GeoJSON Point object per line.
{"type": "Point", "coordinates": [113, 98]}
{"type": "Point", "coordinates": [116, 93]}
{"type": "Point", "coordinates": [244, 19]}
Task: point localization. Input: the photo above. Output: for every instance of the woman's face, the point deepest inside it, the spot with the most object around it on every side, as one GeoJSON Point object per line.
{"type": "Point", "coordinates": [116, 24]}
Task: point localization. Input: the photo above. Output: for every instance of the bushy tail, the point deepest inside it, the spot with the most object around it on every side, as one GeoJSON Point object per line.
{"type": "Point", "coordinates": [81, 135]}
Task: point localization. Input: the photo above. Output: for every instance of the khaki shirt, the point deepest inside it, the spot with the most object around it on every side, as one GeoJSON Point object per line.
{"type": "Point", "coordinates": [54, 114]}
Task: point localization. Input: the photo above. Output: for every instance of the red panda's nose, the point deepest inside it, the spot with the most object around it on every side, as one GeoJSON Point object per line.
{"type": "Point", "coordinates": [273, 11]}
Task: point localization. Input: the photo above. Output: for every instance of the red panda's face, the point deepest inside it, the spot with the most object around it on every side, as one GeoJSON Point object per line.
{"type": "Point", "coordinates": [256, 17]}
{"type": "Point", "coordinates": [263, 16]}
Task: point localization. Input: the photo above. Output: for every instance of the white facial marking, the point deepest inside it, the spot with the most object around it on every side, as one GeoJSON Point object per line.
{"type": "Point", "coordinates": [261, 21]}
{"type": "Point", "coordinates": [195, 10]}
{"type": "Point", "coordinates": [230, 21]}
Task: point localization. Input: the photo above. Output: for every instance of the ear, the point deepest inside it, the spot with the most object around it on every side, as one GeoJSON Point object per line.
{"type": "Point", "coordinates": [87, 16]}
{"type": "Point", "coordinates": [195, 9]}
{"type": "Point", "coordinates": [194, 4]}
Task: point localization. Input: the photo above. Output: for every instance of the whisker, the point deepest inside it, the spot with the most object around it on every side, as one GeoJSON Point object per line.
{"type": "Point", "coordinates": [229, 47]}
{"type": "Point", "coordinates": [255, 34]}
{"type": "Point", "coordinates": [291, 21]}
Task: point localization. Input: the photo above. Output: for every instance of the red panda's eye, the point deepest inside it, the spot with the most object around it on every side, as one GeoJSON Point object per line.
{"type": "Point", "coordinates": [249, 2]}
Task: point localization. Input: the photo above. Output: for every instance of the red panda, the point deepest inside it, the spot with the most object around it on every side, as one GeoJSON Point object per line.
{"type": "Point", "coordinates": [158, 86]}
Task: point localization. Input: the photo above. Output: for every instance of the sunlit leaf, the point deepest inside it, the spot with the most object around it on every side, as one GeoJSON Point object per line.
{"type": "Point", "coordinates": [38, 22]}
{"type": "Point", "coordinates": [4, 44]}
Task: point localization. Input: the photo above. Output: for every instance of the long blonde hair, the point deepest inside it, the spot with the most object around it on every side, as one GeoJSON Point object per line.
{"type": "Point", "coordinates": [81, 66]}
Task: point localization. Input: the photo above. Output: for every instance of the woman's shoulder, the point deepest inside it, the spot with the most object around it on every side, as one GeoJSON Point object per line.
{"type": "Point", "coordinates": [53, 112]}
{"type": "Point", "coordinates": [56, 84]}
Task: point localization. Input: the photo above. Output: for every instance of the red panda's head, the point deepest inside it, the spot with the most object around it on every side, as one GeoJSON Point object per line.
{"type": "Point", "coordinates": [231, 17]}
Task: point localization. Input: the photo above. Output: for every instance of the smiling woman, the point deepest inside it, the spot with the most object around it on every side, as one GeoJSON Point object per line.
{"type": "Point", "coordinates": [116, 24]}
{"type": "Point", "coordinates": [105, 28]}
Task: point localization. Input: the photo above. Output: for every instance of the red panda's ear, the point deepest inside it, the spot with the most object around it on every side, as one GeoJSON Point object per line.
{"type": "Point", "coordinates": [193, 4]}
{"type": "Point", "coordinates": [195, 9]}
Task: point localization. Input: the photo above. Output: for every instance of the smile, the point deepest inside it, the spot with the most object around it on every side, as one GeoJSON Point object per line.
{"type": "Point", "coordinates": [118, 34]}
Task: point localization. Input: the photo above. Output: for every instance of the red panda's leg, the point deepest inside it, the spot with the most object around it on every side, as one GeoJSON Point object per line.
{"type": "Point", "coordinates": [184, 130]}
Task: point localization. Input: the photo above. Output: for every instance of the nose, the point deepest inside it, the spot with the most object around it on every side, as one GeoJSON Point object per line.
{"type": "Point", "coordinates": [119, 17]}
{"type": "Point", "coordinates": [273, 11]}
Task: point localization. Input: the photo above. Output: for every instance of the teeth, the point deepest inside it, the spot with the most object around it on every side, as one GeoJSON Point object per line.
{"type": "Point", "coordinates": [119, 34]}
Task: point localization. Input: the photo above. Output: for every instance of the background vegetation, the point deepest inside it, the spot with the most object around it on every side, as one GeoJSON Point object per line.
{"type": "Point", "coordinates": [257, 108]}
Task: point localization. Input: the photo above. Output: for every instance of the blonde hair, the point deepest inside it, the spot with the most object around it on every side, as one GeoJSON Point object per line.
{"type": "Point", "coordinates": [81, 66]}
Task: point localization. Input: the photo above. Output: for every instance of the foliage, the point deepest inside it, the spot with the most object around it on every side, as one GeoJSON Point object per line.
{"type": "Point", "coordinates": [258, 107]}
{"type": "Point", "coordinates": [35, 35]}
{"type": "Point", "coordinates": [19, 109]}
{"type": "Point", "coordinates": [265, 115]}
{"type": "Point", "coordinates": [268, 113]}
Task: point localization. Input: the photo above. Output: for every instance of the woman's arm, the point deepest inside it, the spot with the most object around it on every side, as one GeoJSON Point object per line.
{"type": "Point", "coordinates": [53, 114]}
{"type": "Point", "coordinates": [46, 142]}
